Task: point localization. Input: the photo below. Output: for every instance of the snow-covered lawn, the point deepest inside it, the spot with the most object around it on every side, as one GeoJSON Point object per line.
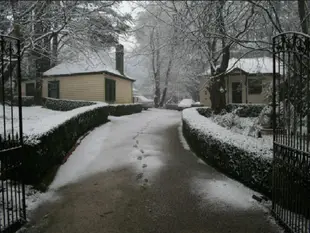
{"type": "Point", "coordinates": [37, 120]}
{"type": "Point", "coordinates": [206, 126]}
{"type": "Point", "coordinates": [31, 117]}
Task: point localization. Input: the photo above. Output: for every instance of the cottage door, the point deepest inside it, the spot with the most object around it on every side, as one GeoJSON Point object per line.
{"type": "Point", "coordinates": [236, 92]}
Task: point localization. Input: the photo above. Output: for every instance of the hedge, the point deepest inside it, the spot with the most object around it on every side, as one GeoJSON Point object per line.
{"type": "Point", "coordinates": [26, 101]}
{"type": "Point", "coordinates": [246, 110]}
{"type": "Point", "coordinates": [172, 106]}
{"type": "Point", "coordinates": [43, 152]}
{"type": "Point", "coordinates": [206, 112]}
{"type": "Point", "coordinates": [247, 167]}
{"type": "Point", "coordinates": [125, 109]}
{"type": "Point", "coordinates": [64, 105]}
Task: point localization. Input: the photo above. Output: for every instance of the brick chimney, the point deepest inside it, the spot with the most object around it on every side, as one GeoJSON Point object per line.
{"type": "Point", "coordinates": [119, 58]}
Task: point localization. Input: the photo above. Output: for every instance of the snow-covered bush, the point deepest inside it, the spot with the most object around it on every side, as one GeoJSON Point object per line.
{"type": "Point", "coordinates": [26, 101]}
{"type": "Point", "coordinates": [197, 104]}
{"type": "Point", "coordinates": [227, 120]}
{"type": "Point", "coordinates": [45, 151]}
{"type": "Point", "coordinates": [186, 103]}
{"type": "Point", "coordinates": [244, 158]}
{"type": "Point", "coordinates": [206, 112]}
{"type": "Point", "coordinates": [246, 110]}
{"type": "Point", "coordinates": [171, 106]}
{"type": "Point", "coordinates": [49, 146]}
{"type": "Point", "coordinates": [242, 125]}
{"type": "Point", "coordinates": [64, 105]}
{"type": "Point", "coordinates": [125, 109]}
{"type": "Point", "coordinates": [264, 118]}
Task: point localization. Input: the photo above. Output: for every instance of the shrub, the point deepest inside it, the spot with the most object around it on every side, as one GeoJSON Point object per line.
{"type": "Point", "coordinates": [245, 110]}
{"type": "Point", "coordinates": [43, 152]}
{"type": "Point", "coordinates": [206, 112]}
{"type": "Point", "coordinates": [64, 105]}
{"type": "Point", "coordinates": [172, 106]}
{"type": "Point", "coordinates": [26, 101]}
{"type": "Point", "coordinates": [197, 105]}
{"type": "Point", "coordinates": [124, 109]}
{"type": "Point", "coordinates": [248, 166]}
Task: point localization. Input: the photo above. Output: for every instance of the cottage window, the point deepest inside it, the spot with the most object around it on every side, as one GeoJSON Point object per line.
{"type": "Point", "coordinates": [53, 89]}
{"type": "Point", "coordinates": [255, 86]}
{"type": "Point", "coordinates": [30, 89]}
{"type": "Point", "coordinates": [110, 90]}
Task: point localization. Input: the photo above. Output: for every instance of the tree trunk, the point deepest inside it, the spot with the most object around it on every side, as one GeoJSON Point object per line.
{"type": "Point", "coordinates": [157, 93]}
{"type": "Point", "coordinates": [303, 16]}
{"type": "Point", "coordinates": [217, 87]}
{"type": "Point", "coordinates": [163, 97]}
{"type": "Point", "coordinates": [217, 92]}
{"type": "Point", "coordinates": [41, 51]}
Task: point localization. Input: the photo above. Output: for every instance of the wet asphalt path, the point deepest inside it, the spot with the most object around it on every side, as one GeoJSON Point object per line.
{"type": "Point", "coordinates": [164, 200]}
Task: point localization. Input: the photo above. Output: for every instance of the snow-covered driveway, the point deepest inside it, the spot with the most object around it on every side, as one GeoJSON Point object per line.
{"type": "Point", "coordinates": [134, 175]}
{"type": "Point", "coordinates": [124, 141]}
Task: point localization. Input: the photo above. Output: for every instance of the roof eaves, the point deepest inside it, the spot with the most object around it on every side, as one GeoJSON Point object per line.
{"type": "Point", "coordinates": [119, 76]}
{"type": "Point", "coordinates": [87, 73]}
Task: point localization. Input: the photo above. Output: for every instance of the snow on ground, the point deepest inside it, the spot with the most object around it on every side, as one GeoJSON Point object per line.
{"type": "Point", "coordinates": [11, 194]}
{"type": "Point", "coordinates": [125, 141]}
{"type": "Point", "coordinates": [226, 193]}
{"type": "Point", "coordinates": [31, 116]}
{"type": "Point", "coordinates": [38, 120]}
{"type": "Point", "coordinates": [186, 103]}
{"type": "Point", "coordinates": [205, 126]}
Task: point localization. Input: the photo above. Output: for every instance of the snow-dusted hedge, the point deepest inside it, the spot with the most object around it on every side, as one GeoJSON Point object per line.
{"type": "Point", "coordinates": [172, 106]}
{"type": "Point", "coordinates": [26, 101]}
{"type": "Point", "coordinates": [206, 112]}
{"type": "Point", "coordinates": [125, 109]}
{"type": "Point", "coordinates": [246, 110]}
{"type": "Point", "coordinates": [45, 150]}
{"type": "Point", "coordinates": [244, 158]}
{"type": "Point", "coordinates": [64, 105]}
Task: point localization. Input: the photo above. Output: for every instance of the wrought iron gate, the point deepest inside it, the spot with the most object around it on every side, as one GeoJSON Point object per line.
{"type": "Point", "coordinates": [12, 190]}
{"type": "Point", "coordinates": [291, 129]}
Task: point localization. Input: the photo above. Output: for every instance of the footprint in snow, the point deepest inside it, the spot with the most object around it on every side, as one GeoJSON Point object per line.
{"type": "Point", "coordinates": [135, 145]}
{"type": "Point", "coordinates": [144, 165]}
{"type": "Point", "coordinates": [137, 141]}
{"type": "Point", "coordinates": [139, 176]}
{"type": "Point", "coordinates": [139, 158]}
{"type": "Point", "coordinates": [142, 151]}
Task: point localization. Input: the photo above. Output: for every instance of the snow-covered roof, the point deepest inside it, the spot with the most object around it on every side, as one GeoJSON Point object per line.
{"type": "Point", "coordinates": [258, 65]}
{"type": "Point", "coordinates": [92, 63]}
{"type": "Point", "coordinates": [263, 65]}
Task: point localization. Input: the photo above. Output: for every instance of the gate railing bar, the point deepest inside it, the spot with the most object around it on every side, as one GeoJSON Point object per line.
{"type": "Point", "coordinates": [3, 89]}
{"type": "Point", "coordinates": [307, 153]}
{"type": "Point", "coordinates": [273, 114]}
{"type": "Point", "coordinates": [19, 80]}
{"type": "Point", "coordinates": [13, 209]}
